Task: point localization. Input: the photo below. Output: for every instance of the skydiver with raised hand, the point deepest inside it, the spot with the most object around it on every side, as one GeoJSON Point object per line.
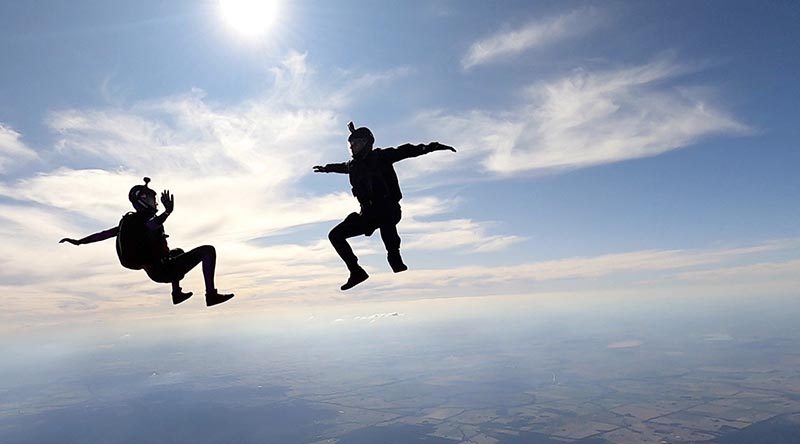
{"type": "Point", "coordinates": [142, 244]}
{"type": "Point", "coordinates": [374, 183]}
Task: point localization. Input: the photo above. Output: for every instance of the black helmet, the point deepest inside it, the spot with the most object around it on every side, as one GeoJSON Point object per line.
{"type": "Point", "coordinates": [360, 133]}
{"type": "Point", "coordinates": [138, 195]}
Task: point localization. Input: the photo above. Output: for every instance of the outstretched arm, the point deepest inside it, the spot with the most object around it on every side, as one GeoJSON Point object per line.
{"type": "Point", "coordinates": [341, 168]}
{"type": "Point", "coordinates": [96, 237]}
{"type": "Point", "coordinates": [408, 150]}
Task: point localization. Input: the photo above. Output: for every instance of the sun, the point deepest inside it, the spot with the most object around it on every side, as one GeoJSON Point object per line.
{"type": "Point", "coordinates": [250, 18]}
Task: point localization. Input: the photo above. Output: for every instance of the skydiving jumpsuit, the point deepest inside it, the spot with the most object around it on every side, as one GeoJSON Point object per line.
{"type": "Point", "coordinates": [374, 183]}
{"type": "Point", "coordinates": [165, 265]}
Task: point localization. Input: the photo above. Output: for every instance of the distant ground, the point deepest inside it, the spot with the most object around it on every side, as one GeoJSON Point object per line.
{"type": "Point", "coordinates": [616, 375]}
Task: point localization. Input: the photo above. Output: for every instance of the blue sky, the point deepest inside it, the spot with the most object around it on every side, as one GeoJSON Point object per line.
{"type": "Point", "coordinates": [633, 147]}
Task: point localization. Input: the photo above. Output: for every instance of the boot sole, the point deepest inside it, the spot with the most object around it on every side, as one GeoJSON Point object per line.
{"type": "Point", "coordinates": [346, 287]}
{"type": "Point", "coordinates": [211, 304]}
{"type": "Point", "coordinates": [178, 301]}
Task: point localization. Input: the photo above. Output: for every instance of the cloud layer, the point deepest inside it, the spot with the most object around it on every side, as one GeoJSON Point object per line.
{"type": "Point", "coordinates": [239, 174]}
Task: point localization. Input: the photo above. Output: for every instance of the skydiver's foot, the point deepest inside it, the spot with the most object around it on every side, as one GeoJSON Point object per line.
{"type": "Point", "coordinates": [396, 262]}
{"type": "Point", "coordinates": [214, 298]}
{"type": "Point", "coordinates": [357, 276]}
{"type": "Point", "coordinates": [179, 296]}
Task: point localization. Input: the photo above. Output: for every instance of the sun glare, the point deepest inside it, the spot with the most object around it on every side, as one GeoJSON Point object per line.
{"type": "Point", "coordinates": [250, 18]}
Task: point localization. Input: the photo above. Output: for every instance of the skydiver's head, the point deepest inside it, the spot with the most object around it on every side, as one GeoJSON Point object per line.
{"type": "Point", "coordinates": [360, 140]}
{"type": "Point", "coordinates": [143, 198]}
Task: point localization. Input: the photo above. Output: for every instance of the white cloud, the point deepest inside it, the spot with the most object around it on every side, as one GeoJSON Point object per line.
{"type": "Point", "coordinates": [584, 119]}
{"type": "Point", "coordinates": [454, 233]}
{"type": "Point", "coordinates": [12, 149]}
{"type": "Point", "coordinates": [748, 272]}
{"type": "Point", "coordinates": [627, 343]}
{"type": "Point", "coordinates": [535, 34]}
{"type": "Point", "coordinates": [377, 316]}
{"type": "Point", "coordinates": [628, 266]}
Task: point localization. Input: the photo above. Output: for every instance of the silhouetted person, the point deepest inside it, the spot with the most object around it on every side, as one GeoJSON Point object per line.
{"type": "Point", "coordinates": [142, 244]}
{"type": "Point", "coordinates": [375, 186]}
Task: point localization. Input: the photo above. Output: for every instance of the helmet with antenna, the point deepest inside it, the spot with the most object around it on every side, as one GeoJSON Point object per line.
{"type": "Point", "coordinates": [142, 197]}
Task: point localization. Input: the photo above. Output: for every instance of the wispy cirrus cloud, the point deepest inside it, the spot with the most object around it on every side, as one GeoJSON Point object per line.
{"type": "Point", "coordinates": [601, 266]}
{"type": "Point", "coordinates": [455, 233]}
{"type": "Point", "coordinates": [748, 272]}
{"type": "Point", "coordinates": [12, 149]}
{"type": "Point", "coordinates": [588, 118]}
{"type": "Point", "coordinates": [535, 34]}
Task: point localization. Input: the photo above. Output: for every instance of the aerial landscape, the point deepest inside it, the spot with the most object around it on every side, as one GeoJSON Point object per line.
{"type": "Point", "coordinates": [534, 377]}
{"type": "Point", "coordinates": [445, 221]}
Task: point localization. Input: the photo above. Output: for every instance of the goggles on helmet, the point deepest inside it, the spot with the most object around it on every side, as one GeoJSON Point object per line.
{"type": "Point", "coordinates": [147, 199]}
{"type": "Point", "coordinates": [358, 144]}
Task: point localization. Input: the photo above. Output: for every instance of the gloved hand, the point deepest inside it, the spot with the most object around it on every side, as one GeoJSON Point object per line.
{"type": "Point", "coordinates": [436, 146]}
{"type": "Point", "coordinates": [168, 200]}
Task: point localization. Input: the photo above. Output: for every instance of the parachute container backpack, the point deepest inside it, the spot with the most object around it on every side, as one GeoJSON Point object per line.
{"type": "Point", "coordinates": [131, 243]}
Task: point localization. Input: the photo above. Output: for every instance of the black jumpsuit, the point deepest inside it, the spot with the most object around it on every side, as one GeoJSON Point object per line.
{"type": "Point", "coordinates": [165, 265]}
{"type": "Point", "coordinates": [374, 184]}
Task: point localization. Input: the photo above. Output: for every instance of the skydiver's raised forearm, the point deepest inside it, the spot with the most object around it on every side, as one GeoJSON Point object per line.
{"type": "Point", "coordinates": [161, 218]}
{"type": "Point", "coordinates": [157, 221]}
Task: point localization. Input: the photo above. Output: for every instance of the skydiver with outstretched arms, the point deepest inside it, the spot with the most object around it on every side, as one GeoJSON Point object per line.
{"type": "Point", "coordinates": [374, 183]}
{"type": "Point", "coordinates": [142, 244]}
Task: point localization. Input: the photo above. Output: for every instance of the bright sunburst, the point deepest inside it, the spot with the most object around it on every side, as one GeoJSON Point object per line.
{"type": "Point", "coordinates": [250, 18]}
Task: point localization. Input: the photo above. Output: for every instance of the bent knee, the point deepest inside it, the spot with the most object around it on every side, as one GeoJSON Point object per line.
{"type": "Point", "coordinates": [209, 250]}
